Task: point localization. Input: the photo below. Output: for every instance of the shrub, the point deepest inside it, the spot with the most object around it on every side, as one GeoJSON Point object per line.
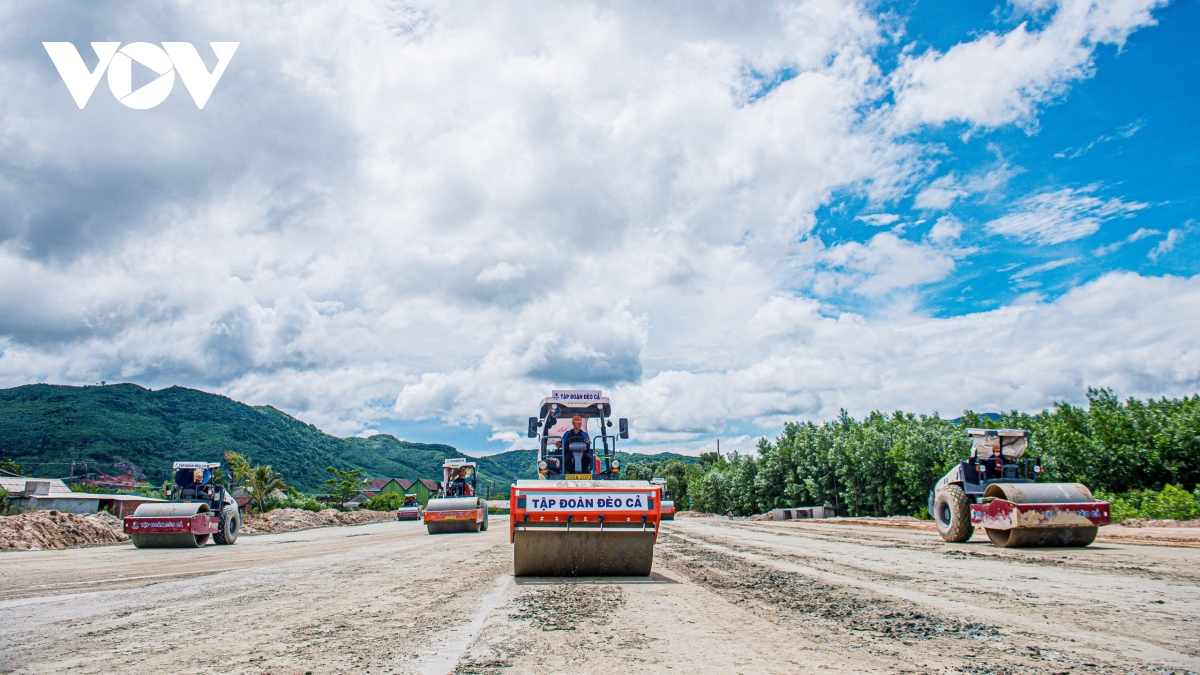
{"type": "Point", "coordinates": [289, 502]}
{"type": "Point", "coordinates": [1172, 502]}
{"type": "Point", "coordinates": [388, 501]}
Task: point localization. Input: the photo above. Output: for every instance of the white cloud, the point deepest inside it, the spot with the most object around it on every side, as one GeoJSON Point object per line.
{"type": "Point", "coordinates": [1141, 233]}
{"type": "Point", "coordinates": [945, 230]}
{"type": "Point", "coordinates": [1044, 267]}
{"type": "Point", "coordinates": [1061, 215]}
{"type": "Point", "coordinates": [1000, 79]}
{"type": "Point", "coordinates": [501, 272]}
{"type": "Point", "coordinates": [1166, 245]}
{"type": "Point", "coordinates": [940, 194]}
{"type": "Point", "coordinates": [878, 219]}
{"type": "Point", "coordinates": [884, 264]}
{"type": "Point", "coordinates": [442, 211]}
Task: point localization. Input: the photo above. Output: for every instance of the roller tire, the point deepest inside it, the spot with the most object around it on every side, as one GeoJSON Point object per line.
{"type": "Point", "coordinates": [952, 514]}
{"type": "Point", "coordinates": [484, 525]}
{"type": "Point", "coordinates": [229, 526]}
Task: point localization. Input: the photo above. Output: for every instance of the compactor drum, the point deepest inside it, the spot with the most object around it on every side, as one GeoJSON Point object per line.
{"type": "Point", "coordinates": [579, 518]}
{"type": "Point", "coordinates": [457, 508]}
{"type": "Point", "coordinates": [668, 504]}
{"type": "Point", "coordinates": [996, 490]}
{"type": "Point", "coordinates": [197, 511]}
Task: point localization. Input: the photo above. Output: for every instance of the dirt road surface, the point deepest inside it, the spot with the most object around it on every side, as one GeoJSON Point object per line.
{"type": "Point", "coordinates": [726, 597]}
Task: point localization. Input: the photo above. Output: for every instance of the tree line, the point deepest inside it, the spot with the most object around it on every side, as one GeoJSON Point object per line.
{"type": "Point", "coordinates": [886, 464]}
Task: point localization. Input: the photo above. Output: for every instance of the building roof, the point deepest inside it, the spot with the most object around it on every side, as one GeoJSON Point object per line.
{"type": "Point", "coordinates": [16, 485]}
{"type": "Point", "coordinates": [431, 484]}
{"type": "Point", "coordinates": [377, 484]}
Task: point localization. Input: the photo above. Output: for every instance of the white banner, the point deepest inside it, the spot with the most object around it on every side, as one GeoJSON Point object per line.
{"type": "Point", "coordinates": [588, 501]}
{"type": "Point", "coordinates": [575, 396]}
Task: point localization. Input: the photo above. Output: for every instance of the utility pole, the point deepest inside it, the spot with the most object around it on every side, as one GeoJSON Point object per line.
{"type": "Point", "coordinates": [718, 448]}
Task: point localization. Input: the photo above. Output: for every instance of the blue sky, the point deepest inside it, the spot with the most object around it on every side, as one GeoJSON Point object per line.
{"type": "Point", "coordinates": [419, 219]}
{"type": "Point", "coordinates": [1127, 132]}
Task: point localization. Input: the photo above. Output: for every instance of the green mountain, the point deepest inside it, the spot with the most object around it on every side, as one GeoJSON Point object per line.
{"type": "Point", "coordinates": [122, 427]}
{"type": "Point", "coordinates": [45, 427]}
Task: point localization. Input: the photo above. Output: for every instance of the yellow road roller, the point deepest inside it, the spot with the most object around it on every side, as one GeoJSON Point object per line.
{"type": "Point", "coordinates": [458, 506]}
{"type": "Point", "coordinates": [579, 518]}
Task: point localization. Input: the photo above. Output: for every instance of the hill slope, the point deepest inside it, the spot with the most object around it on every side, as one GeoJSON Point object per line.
{"type": "Point", "coordinates": [44, 427]}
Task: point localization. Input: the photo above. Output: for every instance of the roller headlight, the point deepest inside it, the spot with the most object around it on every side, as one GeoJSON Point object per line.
{"type": "Point", "coordinates": [542, 465]}
{"type": "Point", "coordinates": [616, 465]}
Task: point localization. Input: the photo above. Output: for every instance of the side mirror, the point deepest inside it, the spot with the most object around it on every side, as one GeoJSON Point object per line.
{"type": "Point", "coordinates": [533, 425]}
{"type": "Point", "coordinates": [623, 428]}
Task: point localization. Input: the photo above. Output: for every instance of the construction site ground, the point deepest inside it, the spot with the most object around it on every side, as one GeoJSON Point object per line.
{"type": "Point", "coordinates": [727, 596]}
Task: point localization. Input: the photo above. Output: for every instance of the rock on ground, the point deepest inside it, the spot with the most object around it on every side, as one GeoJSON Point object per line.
{"type": "Point", "coordinates": [53, 529]}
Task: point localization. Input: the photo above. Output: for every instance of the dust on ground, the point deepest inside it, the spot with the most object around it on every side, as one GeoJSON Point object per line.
{"type": "Point", "coordinates": [727, 596]}
{"type": "Point", "coordinates": [38, 530]}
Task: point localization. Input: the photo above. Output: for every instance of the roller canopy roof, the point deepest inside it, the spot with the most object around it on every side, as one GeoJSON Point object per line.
{"type": "Point", "coordinates": [1011, 442]}
{"type": "Point", "coordinates": [584, 409]}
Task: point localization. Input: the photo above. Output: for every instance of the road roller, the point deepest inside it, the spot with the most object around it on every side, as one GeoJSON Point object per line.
{"type": "Point", "coordinates": [998, 490]}
{"type": "Point", "coordinates": [667, 505]}
{"type": "Point", "coordinates": [410, 509]}
{"type": "Point", "coordinates": [196, 511]}
{"type": "Point", "coordinates": [579, 518]}
{"type": "Point", "coordinates": [457, 507]}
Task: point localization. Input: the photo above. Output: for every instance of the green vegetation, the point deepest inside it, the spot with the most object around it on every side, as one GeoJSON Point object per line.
{"type": "Point", "coordinates": [344, 484]}
{"type": "Point", "coordinates": [1172, 502]}
{"type": "Point", "coordinates": [303, 502]}
{"type": "Point", "coordinates": [677, 472]}
{"type": "Point", "coordinates": [11, 468]}
{"type": "Point", "coordinates": [886, 464]}
{"type": "Point", "coordinates": [388, 501]}
{"type": "Point", "coordinates": [263, 482]}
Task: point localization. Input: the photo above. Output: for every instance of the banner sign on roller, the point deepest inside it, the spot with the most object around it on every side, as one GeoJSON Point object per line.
{"type": "Point", "coordinates": [566, 501]}
{"type": "Point", "coordinates": [575, 395]}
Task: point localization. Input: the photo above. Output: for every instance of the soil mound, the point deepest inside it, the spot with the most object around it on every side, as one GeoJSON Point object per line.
{"type": "Point", "coordinates": [39, 530]}
{"type": "Point", "coordinates": [110, 521]}
{"type": "Point", "coordinates": [288, 520]}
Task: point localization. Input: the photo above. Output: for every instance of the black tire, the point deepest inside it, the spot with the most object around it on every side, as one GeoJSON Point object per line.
{"type": "Point", "coordinates": [952, 514]}
{"type": "Point", "coordinates": [484, 524]}
{"type": "Point", "coordinates": [229, 526]}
